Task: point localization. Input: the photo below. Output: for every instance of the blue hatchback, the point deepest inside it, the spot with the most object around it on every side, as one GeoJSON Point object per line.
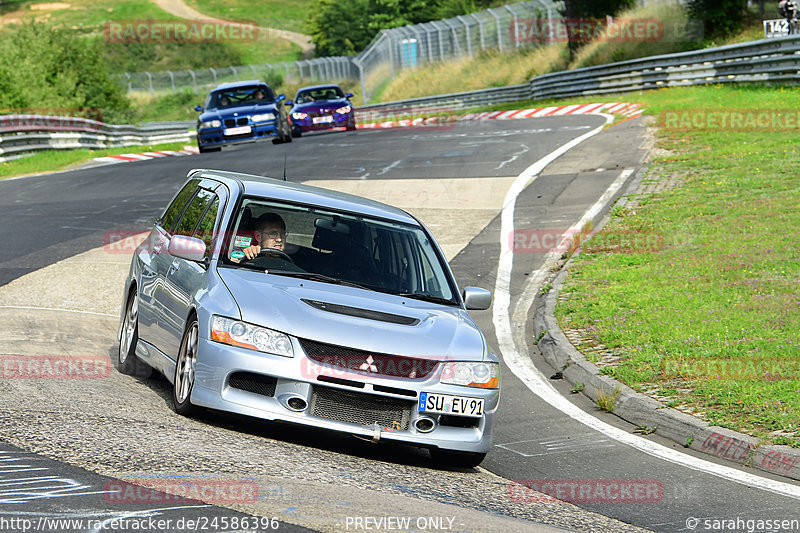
{"type": "Point", "coordinates": [243, 111]}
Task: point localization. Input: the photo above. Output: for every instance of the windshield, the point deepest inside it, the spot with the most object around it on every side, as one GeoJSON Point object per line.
{"type": "Point", "coordinates": [256, 94]}
{"type": "Point", "coordinates": [319, 94]}
{"type": "Point", "coordinates": [334, 247]}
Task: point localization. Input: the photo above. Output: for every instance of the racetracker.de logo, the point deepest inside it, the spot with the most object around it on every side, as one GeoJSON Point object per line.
{"type": "Point", "coordinates": [586, 490]}
{"type": "Point", "coordinates": [568, 240]}
{"type": "Point", "coordinates": [731, 120]}
{"type": "Point", "coordinates": [181, 490]}
{"type": "Point", "coordinates": [55, 366]}
{"type": "Point", "coordinates": [584, 30]}
{"type": "Point", "coordinates": [183, 31]}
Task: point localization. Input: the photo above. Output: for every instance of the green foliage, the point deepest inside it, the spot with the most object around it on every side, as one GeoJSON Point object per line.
{"type": "Point", "coordinates": [346, 27]}
{"type": "Point", "coordinates": [52, 68]}
{"type": "Point", "coordinates": [139, 57]}
{"type": "Point", "coordinates": [720, 18]}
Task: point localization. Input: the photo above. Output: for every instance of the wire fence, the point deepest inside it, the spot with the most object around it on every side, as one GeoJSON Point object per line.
{"type": "Point", "coordinates": [503, 28]}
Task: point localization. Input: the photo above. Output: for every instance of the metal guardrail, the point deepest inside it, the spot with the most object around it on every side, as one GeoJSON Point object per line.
{"type": "Point", "coordinates": [774, 61]}
{"type": "Point", "coordinates": [22, 135]}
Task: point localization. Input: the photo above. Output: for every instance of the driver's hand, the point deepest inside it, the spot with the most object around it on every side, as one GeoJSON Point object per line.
{"type": "Point", "coordinates": [252, 251]}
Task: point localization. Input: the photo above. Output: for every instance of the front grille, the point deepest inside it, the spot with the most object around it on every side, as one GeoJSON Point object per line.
{"type": "Point", "coordinates": [359, 408]}
{"type": "Point", "coordinates": [255, 383]}
{"type": "Point", "coordinates": [380, 364]}
{"type": "Point", "coordinates": [231, 122]}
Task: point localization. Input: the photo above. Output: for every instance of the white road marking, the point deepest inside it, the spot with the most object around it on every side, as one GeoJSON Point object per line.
{"type": "Point", "coordinates": [521, 365]}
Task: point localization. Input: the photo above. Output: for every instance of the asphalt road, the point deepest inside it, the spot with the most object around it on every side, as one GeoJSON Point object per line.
{"type": "Point", "coordinates": [48, 218]}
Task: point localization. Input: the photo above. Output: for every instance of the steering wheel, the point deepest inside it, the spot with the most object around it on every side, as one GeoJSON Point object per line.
{"type": "Point", "coordinates": [274, 251]}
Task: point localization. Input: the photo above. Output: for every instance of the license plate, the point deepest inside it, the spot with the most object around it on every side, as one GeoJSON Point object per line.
{"type": "Point", "coordinates": [450, 405]}
{"type": "Point", "coordinates": [321, 120]}
{"type": "Point", "coordinates": [238, 131]}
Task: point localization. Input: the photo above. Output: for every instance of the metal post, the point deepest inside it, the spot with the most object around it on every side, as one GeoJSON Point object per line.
{"type": "Point", "coordinates": [514, 21]}
{"type": "Point", "coordinates": [214, 73]}
{"type": "Point", "coordinates": [150, 79]}
{"type": "Point", "coordinates": [466, 29]}
{"type": "Point", "coordinates": [171, 80]}
{"type": "Point", "coordinates": [480, 27]}
{"type": "Point", "coordinates": [499, 31]}
{"type": "Point", "coordinates": [194, 81]}
{"type": "Point", "coordinates": [441, 43]}
{"type": "Point", "coordinates": [130, 89]}
{"type": "Point", "coordinates": [388, 34]}
{"type": "Point", "coordinates": [363, 85]}
{"type": "Point", "coordinates": [235, 74]}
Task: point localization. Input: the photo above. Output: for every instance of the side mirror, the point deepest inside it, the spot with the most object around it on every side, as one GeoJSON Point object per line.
{"type": "Point", "coordinates": [280, 97]}
{"type": "Point", "coordinates": [289, 102]}
{"type": "Point", "coordinates": [189, 248]}
{"type": "Point", "coordinates": [476, 298]}
{"type": "Point", "coordinates": [198, 108]}
{"type": "Point", "coordinates": [349, 95]}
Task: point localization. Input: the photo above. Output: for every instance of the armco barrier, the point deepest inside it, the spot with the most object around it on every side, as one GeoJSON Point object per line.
{"type": "Point", "coordinates": [772, 61]}
{"type": "Point", "coordinates": [22, 135]}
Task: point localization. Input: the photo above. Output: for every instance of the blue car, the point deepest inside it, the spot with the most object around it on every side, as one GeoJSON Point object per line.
{"type": "Point", "coordinates": [322, 107]}
{"type": "Point", "coordinates": [243, 111]}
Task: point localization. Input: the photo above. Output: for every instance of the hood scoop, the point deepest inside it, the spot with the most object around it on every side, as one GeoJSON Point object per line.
{"type": "Point", "coordinates": [362, 313]}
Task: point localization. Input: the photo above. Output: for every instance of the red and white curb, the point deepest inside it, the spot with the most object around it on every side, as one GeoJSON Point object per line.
{"type": "Point", "coordinates": [124, 158]}
{"type": "Point", "coordinates": [624, 109]}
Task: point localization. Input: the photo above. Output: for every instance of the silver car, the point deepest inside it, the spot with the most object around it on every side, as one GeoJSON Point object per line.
{"type": "Point", "coordinates": [294, 303]}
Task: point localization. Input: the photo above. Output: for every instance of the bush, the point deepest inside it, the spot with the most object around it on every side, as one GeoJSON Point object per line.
{"type": "Point", "coordinates": [52, 68]}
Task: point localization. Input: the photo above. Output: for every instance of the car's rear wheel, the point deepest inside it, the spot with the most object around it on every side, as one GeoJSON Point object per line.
{"type": "Point", "coordinates": [459, 459]}
{"type": "Point", "coordinates": [128, 362]}
{"type": "Point", "coordinates": [185, 371]}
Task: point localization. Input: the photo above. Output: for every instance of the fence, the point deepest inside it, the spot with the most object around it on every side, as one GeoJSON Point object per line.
{"type": "Point", "coordinates": [389, 52]}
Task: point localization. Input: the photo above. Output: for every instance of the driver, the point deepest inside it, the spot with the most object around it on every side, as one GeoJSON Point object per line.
{"type": "Point", "coordinates": [270, 233]}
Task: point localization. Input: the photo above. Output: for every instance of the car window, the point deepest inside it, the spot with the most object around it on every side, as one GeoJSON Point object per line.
{"type": "Point", "coordinates": [319, 94]}
{"type": "Point", "coordinates": [377, 254]}
{"type": "Point", "coordinates": [193, 213]}
{"type": "Point", "coordinates": [249, 95]}
{"type": "Point", "coordinates": [205, 230]}
{"type": "Point", "coordinates": [175, 209]}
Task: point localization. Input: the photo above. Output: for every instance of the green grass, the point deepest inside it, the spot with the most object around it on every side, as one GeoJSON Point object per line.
{"type": "Point", "coordinates": [711, 316]}
{"type": "Point", "coordinates": [51, 161]}
{"type": "Point", "coordinates": [282, 14]}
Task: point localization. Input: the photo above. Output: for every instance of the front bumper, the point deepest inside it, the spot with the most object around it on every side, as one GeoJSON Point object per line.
{"type": "Point", "coordinates": [338, 121]}
{"type": "Point", "coordinates": [214, 137]}
{"type": "Point", "coordinates": [346, 401]}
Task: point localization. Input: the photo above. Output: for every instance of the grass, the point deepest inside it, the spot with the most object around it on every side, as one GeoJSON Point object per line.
{"type": "Point", "coordinates": [282, 14]}
{"type": "Point", "coordinates": [712, 315]}
{"type": "Point", "coordinates": [53, 160]}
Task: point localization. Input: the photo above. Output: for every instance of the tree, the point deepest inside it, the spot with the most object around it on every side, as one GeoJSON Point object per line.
{"type": "Point", "coordinates": [50, 68]}
{"type": "Point", "coordinates": [720, 18]}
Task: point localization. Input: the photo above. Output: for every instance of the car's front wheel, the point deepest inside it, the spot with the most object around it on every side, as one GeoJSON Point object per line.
{"type": "Point", "coordinates": [185, 371]}
{"type": "Point", "coordinates": [128, 362]}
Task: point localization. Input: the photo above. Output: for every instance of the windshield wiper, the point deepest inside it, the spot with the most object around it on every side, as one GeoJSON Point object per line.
{"type": "Point", "coordinates": [426, 298]}
{"type": "Point", "coordinates": [314, 277]}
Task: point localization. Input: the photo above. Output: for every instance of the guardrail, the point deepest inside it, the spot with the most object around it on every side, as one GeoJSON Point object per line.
{"type": "Point", "coordinates": [22, 135]}
{"type": "Point", "coordinates": [764, 61]}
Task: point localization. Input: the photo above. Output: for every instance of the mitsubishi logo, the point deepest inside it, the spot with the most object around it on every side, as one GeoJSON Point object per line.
{"type": "Point", "coordinates": [368, 366]}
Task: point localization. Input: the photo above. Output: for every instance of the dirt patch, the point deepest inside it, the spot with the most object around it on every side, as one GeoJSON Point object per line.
{"type": "Point", "coordinates": [50, 6]}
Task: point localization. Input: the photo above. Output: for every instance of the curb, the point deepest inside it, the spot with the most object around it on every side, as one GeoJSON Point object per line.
{"type": "Point", "coordinates": [643, 411]}
{"type": "Point", "coordinates": [625, 109]}
{"type": "Point", "coordinates": [142, 156]}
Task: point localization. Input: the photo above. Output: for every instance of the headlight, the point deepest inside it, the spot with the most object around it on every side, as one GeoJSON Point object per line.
{"type": "Point", "coordinates": [237, 333]}
{"type": "Point", "coordinates": [210, 124]}
{"type": "Point", "coordinates": [484, 375]}
{"type": "Point", "coordinates": [299, 116]}
{"type": "Point", "coordinates": [263, 117]}
{"type": "Point", "coordinates": [344, 110]}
